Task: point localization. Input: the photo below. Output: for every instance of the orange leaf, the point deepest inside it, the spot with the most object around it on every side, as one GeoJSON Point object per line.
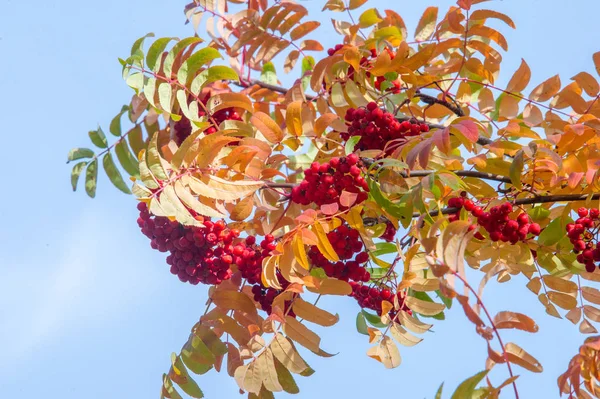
{"type": "Point", "coordinates": [562, 300]}
{"type": "Point", "coordinates": [520, 79]}
{"type": "Point", "coordinates": [242, 209]}
{"type": "Point", "coordinates": [267, 126]}
{"type": "Point", "coordinates": [293, 118]}
{"type": "Point", "coordinates": [234, 300]}
{"type": "Point", "coordinates": [587, 82]}
{"type": "Point", "coordinates": [427, 23]}
{"type": "Point", "coordinates": [298, 332]}
{"type": "Point", "coordinates": [304, 29]}
{"type": "Point", "coordinates": [485, 14]}
{"type": "Point", "coordinates": [310, 312]}
{"type": "Point", "coordinates": [545, 90]}
{"type": "Point", "coordinates": [515, 320]}
{"type": "Point", "coordinates": [520, 357]}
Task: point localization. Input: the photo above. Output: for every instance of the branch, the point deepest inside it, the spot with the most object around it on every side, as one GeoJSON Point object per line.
{"type": "Point", "coordinates": [430, 100]}
{"type": "Point", "coordinates": [426, 98]}
{"type": "Point", "coordinates": [529, 201]}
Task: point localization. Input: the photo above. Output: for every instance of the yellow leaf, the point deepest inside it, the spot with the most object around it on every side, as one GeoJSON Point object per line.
{"type": "Point", "coordinates": [561, 300]}
{"type": "Point", "coordinates": [249, 377]}
{"type": "Point", "coordinates": [412, 324]}
{"type": "Point", "coordinates": [546, 90]}
{"type": "Point", "coordinates": [300, 252]}
{"type": "Point", "coordinates": [284, 351]}
{"type": "Point", "coordinates": [324, 122]}
{"type": "Point", "coordinates": [369, 18]}
{"type": "Point", "coordinates": [423, 307]}
{"type": "Point", "coordinates": [332, 286]}
{"type": "Point", "coordinates": [404, 337]}
{"type": "Point", "coordinates": [229, 100]}
{"type": "Point", "coordinates": [352, 57]}
{"type": "Point", "coordinates": [234, 300]}
{"type": "Point", "coordinates": [267, 126]}
{"type": "Point", "coordinates": [310, 312]}
{"type": "Point", "coordinates": [298, 332]}
{"type": "Point", "coordinates": [266, 365]}
{"type": "Point", "coordinates": [427, 23]}
{"type": "Point", "coordinates": [386, 352]}
{"type": "Point", "coordinates": [293, 118]}
{"type": "Point", "coordinates": [324, 245]}
{"type": "Point", "coordinates": [242, 209]}
{"type": "Point", "coordinates": [559, 284]}
{"type": "Point", "coordinates": [520, 357]}
{"type": "Point", "coordinates": [225, 190]}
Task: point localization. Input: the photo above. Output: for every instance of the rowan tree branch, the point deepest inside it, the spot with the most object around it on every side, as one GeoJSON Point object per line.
{"type": "Point", "coordinates": [419, 173]}
{"type": "Point", "coordinates": [430, 100]}
{"type": "Point", "coordinates": [529, 201]}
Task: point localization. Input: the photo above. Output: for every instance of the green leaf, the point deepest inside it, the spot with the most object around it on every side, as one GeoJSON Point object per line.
{"type": "Point", "coordinates": [135, 81]}
{"type": "Point", "coordinates": [126, 159]}
{"type": "Point", "coordinates": [538, 213]}
{"type": "Point", "coordinates": [115, 124]}
{"type": "Point", "coordinates": [98, 138]}
{"type": "Point", "coordinates": [137, 46]}
{"type": "Point", "coordinates": [361, 324]}
{"type": "Point", "coordinates": [467, 388]}
{"type": "Point", "coordinates": [195, 62]}
{"type": "Point", "coordinates": [177, 48]}
{"type": "Point", "coordinates": [155, 52]}
{"type": "Point", "coordinates": [384, 248]}
{"type": "Point", "coordinates": [79, 153]}
{"type": "Point", "coordinates": [447, 301]}
{"type": "Point", "coordinates": [213, 74]}
{"type": "Point", "coordinates": [438, 394]}
{"type": "Point", "coordinates": [553, 232]}
{"type": "Point", "coordinates": [308, 63]}
{"type": "Point", "coordinates": [154, 160]}
{"type": "Point", "coordinates": [373, 319]}
{"type": "Point", "coordinates": [113, 173]}
{"type": "Point", "coordinates": [165, 94]}
{"type": "Point", "coordinates": [351, 143]}
{"type": "Point", "coordinates": [285, 378]}
{"type": "Point", "coordinates": [188, 385]}
{"type": "Point", "coordinates": [135, 136]}
{"type": "Point", "coordinates": [77, 169]}
{"type": "Point", "coordinates": [369, 18]}
{"type": "Point", "coordinates": [516, 169]}
{"type": "Point", "coordinates": [268, 74]}
{"type": "Point", "coordinates": [91, 178]}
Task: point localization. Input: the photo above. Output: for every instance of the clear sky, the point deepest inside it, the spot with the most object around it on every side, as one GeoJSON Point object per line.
{"type": "Point", "coordinates": [89, 310]}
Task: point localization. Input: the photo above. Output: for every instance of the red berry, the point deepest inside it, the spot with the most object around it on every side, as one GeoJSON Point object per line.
{"type": "Point", "coordinates": [582, 212]}
{"type": "Point", "coordinates": [535, 229]}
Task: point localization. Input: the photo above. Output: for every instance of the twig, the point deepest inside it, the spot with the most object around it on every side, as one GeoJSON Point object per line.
{"type": "Point", "coordinates": [430, 100]}
{"type": "Point", "coordinates": [528, 201]}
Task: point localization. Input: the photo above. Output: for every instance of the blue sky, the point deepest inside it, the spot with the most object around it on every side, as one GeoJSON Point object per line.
{"type": "Point", "coordinates": [88, 310]}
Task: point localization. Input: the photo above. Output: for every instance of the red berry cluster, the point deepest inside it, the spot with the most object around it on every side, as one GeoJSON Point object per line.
{"type": "Point", "coordinates": [323, 184]}
{"type": "Point", "coordinates": [248, 256]}
{"type": "Point", "coordinates": [347, 244]}
{"type": "Point", "coordinates": [497, 222]}
{"type": "Point", "coordinates": [197, 254]}
{"type": "Point", "coordinates": [372, 297]}
{"type": "Point", "coordinates": [376, 127]}
{"type": "Point", "coordinates": [183, 127]}
{"type": "Point", "coordinates": [266, 295]}
{"type": "Point", "coordinates": [582, 234]}
{"type": "Point", "coordinates": [390, 232]}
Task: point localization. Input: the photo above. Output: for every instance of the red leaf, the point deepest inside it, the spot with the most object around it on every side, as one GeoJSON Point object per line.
{"type": "Point", "coordinates": [347, 198]}
{"type": "Point", "coordinates": [469, 129]}
{"type": "Point", "coordinates": [330, 209]}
